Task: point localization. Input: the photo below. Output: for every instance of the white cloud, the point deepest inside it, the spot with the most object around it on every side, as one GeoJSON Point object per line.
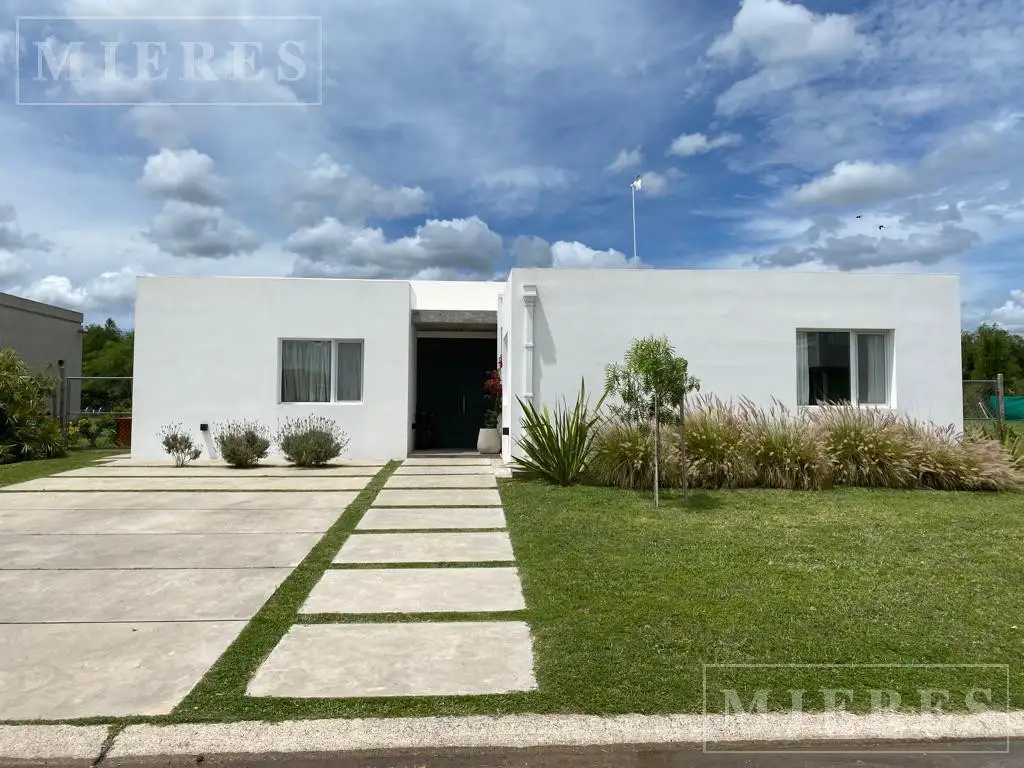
{"type": "Point", "coordinates": [518, 191]}
{"type": "Point", "coordinates": [13, 239]}
{"type": "Point", "coordinates": [329, 188]}
{"type": "Point", "coordinates": [779, 32]}
{"type": "Point", "coordinates": [189, 230]}
{"type": "Point", "coordinates": [185, 175]}
{"type": "Point", "coordinates": [536, 252]}
{"type": "Point", "coordinates": [110, 293]}
{"type": "Point", "coordinates": [12, 267]}
{"type": "Point", "coordinates": [1010, 315]}
{"type": "Point", "coordinates": [452, 249]}
{"type": "Point", "coordinates": [789, 45]}
{"type": "Point", "coordinates": [854, 183]}
{"type": "Point", "coordinates": [865, 251]}
{"type": "Point", "coordinates": [626, 159]}
{"type": "Point", "coordinates": [158, 123]}
{"type": "Point", "coordinates": [690, 144]}
{"type": "Point", "coordinates": [654, 184]}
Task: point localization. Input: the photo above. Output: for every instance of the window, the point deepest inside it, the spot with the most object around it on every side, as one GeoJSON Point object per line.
{"type": "Point", "coordinates": [843, 367]}
{"type": "Point", "coordinates": [312, 369]}
{"type": "Point", "coordinates": [350, 370]}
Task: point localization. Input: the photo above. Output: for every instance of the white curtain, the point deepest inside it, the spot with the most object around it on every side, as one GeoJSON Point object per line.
{"type": "Point", "coordinates": [872, 369]}
{"type": "Point", "coordinates": [350, 370]}
{"type": "Point", "coordinates": [803, 370]}
{"type": "Point", "coordinates": [305, 371]}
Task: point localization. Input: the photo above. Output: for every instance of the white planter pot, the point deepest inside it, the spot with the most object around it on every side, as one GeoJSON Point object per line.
{"type": "Point", "coordinates": [489, 441]}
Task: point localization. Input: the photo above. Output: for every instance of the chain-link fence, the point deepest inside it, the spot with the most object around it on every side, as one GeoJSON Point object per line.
{"type": "Point", "coordinates": [984, 406]}
{"type": "Point", "coordinates": [104, 418]}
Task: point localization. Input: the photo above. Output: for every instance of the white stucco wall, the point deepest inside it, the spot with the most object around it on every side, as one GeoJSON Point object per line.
{"type": "Point", "coordinates": [207, 350]}
{"type": "Point", "coordinates": [736, 328]}
{"type": "Point", "coordinates": [456, 295]}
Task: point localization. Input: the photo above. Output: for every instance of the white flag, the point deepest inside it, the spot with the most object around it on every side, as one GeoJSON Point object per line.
{"type": "Point", "coordinates": [637, 184]}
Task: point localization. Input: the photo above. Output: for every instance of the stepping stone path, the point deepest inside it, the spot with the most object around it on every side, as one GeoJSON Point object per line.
{"type": "Point", "coordinates": [432, 511]}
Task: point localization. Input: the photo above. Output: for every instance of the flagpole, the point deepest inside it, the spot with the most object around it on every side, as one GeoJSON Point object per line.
{"type": "Point", "coordinates": [632, 191]}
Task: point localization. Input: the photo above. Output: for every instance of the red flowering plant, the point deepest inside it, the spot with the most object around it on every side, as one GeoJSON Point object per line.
{"type": "Point", "coordinates": [492, 392]}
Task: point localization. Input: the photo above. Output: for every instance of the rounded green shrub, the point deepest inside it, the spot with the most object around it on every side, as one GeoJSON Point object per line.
{"type": "Point", "coordinates": [311, 441]}
{"type": "Point", "coordinates": [243, 443]}
{"type": "Point", "coordinates": [179, 445]}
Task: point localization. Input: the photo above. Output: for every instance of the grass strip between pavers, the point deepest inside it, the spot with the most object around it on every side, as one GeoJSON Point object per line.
{"type": "Point", "coordinates": [222, 689]}
{"type": "Point", "coordinates": [23, 471]}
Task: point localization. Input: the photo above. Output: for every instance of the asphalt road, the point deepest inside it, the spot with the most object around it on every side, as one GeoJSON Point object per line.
{"type": "Point", "coordinates": [936, 754]}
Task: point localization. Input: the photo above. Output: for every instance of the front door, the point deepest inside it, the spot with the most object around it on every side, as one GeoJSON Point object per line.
{"type": "Point", "coordinates": [450, 401]}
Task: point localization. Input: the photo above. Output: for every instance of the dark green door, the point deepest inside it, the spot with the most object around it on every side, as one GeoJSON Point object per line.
{"type": "Point", "coordinates": [450, 403]}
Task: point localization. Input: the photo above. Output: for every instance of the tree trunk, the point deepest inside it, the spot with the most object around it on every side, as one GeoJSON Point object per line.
{"type": "Point", "coordinates": [657, 449]}
{"type": "Point", "coordinates": [682, 447]}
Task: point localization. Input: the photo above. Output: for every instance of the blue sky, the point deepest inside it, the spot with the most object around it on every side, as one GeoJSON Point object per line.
{"type": "Point", "coordinates": [457, 139]}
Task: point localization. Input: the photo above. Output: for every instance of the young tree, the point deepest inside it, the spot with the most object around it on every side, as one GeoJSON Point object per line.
{"type": "Point", "coordinates": [650, 382]}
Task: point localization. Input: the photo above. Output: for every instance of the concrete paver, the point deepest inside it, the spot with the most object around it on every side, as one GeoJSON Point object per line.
{"type": "Point", "coordinates": [424, 469]}
{"type": "Point", "coordinates": [51, 742]}
{"type": "Point", "coordinates": [237, 482]}
{"type": "Point", "coordinates": [63, 671]}
{"type": "Point", "coordinates": [416, 590]}
{"type": "Point", "coordinates": [295, 520]}
{"type": "Point", "coordinates": [117, 602]}
{"type": "Point", "coordinates": [251, 550]}
{"type": "Point", "coordinates": [421, 518]}
{"type": "Point", "coordinates": [445, 461]}
{"type": "Point", "coordinates": [441, 481]}
{"type": "Point", "coordinates": [215, 471]}
{"type": "Point", "coordinates": [273, 461]}
{"type": "Point", "coordinates": [32, 597]}
{"type": "Point", "coordinates": [142, 500]}
{"type": "Point", "coordinates": [402, 659]}
{"type": "Point", "coordinates": [436, 497]}
{"type": "Point", "coordinates": [462, 547]}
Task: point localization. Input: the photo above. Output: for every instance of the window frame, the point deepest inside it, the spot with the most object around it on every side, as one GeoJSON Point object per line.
{"type": "Point", "coordinates": [333, 370]}
{"type": "Point", "coordinates": [890, 379]}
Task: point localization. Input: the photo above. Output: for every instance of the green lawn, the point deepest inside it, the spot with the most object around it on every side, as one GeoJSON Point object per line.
{"type": "Point", "coordinates": [30, 470]}
{"type": "Point", "coordinates": [628, 602]}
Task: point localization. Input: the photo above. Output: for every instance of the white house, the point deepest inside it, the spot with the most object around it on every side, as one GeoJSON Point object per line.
{"type": "Point", "coordinates": [401, 364]}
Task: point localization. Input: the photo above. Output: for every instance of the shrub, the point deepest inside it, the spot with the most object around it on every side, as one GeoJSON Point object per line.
{"type": "Point", "coordinates": [991, 467]}
{"type": "Point", "coordinates": [740, 445]}
{"type": "Point", "coordinates": [716, 448]}
{"type": "Point", "coordinates": [623, 456]}
{"type": "Point", "coordinates": [558, 447]}
{"type": "Point", "coordinates": [179, 444]}
{"type": "Point", "coordinates": [243, 443]}
{"type": "Point", "coordinates": [27, 430]}
{"type": "Point", "coordinates": [871, 448]}
{"type": "Point", "coordinates": [786, 451]}
{"type": "Point", "coordinates": [311, 441]}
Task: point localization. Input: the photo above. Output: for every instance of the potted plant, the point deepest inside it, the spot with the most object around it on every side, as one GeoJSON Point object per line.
{"type": "Point", "coordinates": [489, 439]}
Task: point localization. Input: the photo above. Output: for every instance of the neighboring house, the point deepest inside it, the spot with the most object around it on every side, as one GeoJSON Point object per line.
{"type": "Point", "coordinates": [401, 364]}
{"type": "Point", "coordinates": [44, 336]}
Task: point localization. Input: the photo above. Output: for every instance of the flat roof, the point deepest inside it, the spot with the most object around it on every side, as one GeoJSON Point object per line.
{"type": "Point", "coordinates": [39, 308]}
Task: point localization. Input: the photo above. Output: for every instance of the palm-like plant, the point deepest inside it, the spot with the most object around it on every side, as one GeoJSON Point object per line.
{"type": "Point", "coordinates": [557, 446]}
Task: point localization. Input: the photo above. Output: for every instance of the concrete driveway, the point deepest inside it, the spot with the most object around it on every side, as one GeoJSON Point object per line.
{"type": "Point", "coordinates": [119, 588]}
